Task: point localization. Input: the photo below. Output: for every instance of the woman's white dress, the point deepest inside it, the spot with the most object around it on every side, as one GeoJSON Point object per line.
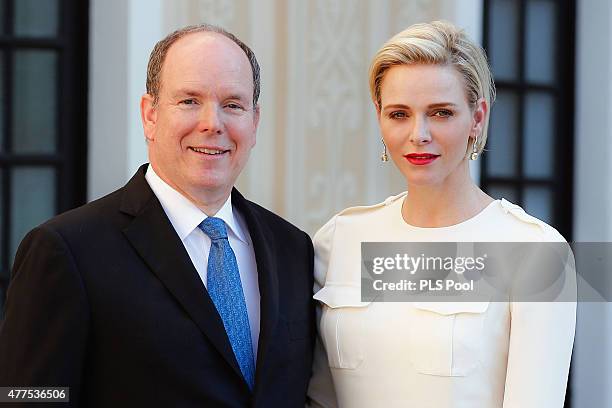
{"type": "Point", "coordinates": [439, 355]}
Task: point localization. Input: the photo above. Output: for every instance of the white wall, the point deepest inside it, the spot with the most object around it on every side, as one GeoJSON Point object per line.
{"type": "Point", "coordinates": [108, 105]}
{"type": "Point", "coordinates": [122, 36]}
{"type": "Point", "coordinates": [468, 14]}
{"type": "Point", "coordinates": [592, 362]}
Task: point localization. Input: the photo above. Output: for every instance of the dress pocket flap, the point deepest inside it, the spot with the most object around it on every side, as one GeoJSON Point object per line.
{"type": "Point", "coordinates": [450, 308]}
{"type": "Point", "coordinates": [337, 295]}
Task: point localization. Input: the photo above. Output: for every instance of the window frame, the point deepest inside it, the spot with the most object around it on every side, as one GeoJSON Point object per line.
{"type": "Point", "coordinates": [561, 182]}
{"type": "Point", "coordinates": [70, 157]}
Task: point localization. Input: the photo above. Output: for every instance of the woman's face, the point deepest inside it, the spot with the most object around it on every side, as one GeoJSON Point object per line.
{"type": "Point", "coordinates": [427, 124]}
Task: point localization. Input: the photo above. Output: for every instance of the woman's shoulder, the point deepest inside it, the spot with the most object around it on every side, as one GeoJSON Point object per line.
{"type": "Point", "coordinates": [359, 214]}
{"type": "Point", "coordinates": [516, 224]}
{"type": "Point", "coordinates": [368, 210]}
{"type": "Point", "coordinates": [341, 235]}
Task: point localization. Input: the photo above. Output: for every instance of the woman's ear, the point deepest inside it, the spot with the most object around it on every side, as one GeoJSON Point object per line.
{"type": "Point", "coordinates": [378, 109]}
{"type": "Point", "coordinates": [479, 116]}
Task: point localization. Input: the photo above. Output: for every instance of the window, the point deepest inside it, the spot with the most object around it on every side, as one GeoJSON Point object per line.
{"type": "Point", "coordinates": [529, 153]}
{"type": "Point", "coordinates": [43, 116]}
{"type": "Point", "coordinates": [529, 157]}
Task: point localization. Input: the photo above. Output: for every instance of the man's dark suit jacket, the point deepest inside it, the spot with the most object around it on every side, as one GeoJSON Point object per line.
{"type": "Point", "coordinates": [104, 299]}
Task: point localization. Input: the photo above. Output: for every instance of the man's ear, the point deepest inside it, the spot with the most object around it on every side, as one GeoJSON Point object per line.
{"type": "Point", "coordinates": [148, 116]}
{"type": "Point", "coordinates": [256, 115]}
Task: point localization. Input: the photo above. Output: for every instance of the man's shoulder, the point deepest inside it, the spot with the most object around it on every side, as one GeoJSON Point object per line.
{"type": "Point", "coordinates": [95, 213]}
{"type": "Point", "coordinates": [275, 222]}
{"type": "Point", "coordinates": [106, 211]}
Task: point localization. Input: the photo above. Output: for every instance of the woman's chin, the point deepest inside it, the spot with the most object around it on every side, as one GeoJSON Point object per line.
{"type": "Point", "coordinates": [423, 180]}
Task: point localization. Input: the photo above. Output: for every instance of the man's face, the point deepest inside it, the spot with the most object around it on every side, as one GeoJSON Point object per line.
{"type": "Point", "coordinates": [202, 130]}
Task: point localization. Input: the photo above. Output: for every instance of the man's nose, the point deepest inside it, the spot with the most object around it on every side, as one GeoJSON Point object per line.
{"type": "Point", "coordinates": [209, 120]}
{"type": "Point", "coordinates": [420, 131]}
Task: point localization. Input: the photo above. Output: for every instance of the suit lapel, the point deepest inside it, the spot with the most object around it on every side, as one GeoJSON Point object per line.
{"type": "Point", "coordinates": [153, 237]}
{"type": "Point", "coordinates": [264, 249]}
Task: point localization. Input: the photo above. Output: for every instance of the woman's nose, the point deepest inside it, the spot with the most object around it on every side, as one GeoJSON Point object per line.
{"type": "Point", "coordinates": [420, 132]}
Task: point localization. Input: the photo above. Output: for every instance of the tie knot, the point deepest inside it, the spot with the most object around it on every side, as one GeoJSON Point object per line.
{"type": "Point", "coordinates": [214, 228]}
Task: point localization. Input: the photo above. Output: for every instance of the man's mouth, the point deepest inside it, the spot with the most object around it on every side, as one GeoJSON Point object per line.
{"type": "Point", "coordinates": [212, 152]}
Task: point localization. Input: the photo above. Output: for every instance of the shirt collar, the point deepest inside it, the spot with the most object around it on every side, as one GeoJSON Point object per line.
{"type": "Point", "coordinates": [186, 216]}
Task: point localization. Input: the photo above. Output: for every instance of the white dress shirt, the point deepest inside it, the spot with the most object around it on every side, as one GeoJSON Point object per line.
{"type": "Point", "coordinates": [185, 218]}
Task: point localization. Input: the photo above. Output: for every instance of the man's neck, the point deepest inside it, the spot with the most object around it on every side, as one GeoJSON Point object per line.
{"type": "Point", "coordinates": [209, 206]}
{"type": "Point", "coordinates": [209, 201]}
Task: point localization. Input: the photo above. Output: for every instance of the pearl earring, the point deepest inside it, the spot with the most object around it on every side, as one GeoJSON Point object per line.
{"type": "Point", "coordinates": [383, 157]}
{"type": "Point", "coordinates": [474, 154]}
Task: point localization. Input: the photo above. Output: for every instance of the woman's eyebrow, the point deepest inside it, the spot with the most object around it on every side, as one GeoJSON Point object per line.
{"type": "Point", "coordinates": [396, 106]}
{"type": "Point", "coordinates": [442, 104]}
{"type": "Point", "coordinates": [433, 105]}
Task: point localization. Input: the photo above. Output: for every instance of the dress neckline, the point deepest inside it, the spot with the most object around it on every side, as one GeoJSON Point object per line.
{"type": "Point", "coordinates": [470, 220]}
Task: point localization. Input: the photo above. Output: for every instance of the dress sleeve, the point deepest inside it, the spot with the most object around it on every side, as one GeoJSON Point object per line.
{"type": "Point", "coordinates": [541, 341]}
{"type": "Point", "coordinates": [321, 392]}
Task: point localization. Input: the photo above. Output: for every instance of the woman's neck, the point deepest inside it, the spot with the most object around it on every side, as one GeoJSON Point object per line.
{"type": "Point", "coordinates": [443, 205]}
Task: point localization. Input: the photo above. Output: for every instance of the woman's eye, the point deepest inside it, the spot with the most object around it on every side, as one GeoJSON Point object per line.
{"type": "Point", "coordinates": [397, 115]}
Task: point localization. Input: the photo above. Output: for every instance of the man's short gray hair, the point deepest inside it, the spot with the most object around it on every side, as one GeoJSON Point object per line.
{"type": "Point", "coordinates": [158, 55]}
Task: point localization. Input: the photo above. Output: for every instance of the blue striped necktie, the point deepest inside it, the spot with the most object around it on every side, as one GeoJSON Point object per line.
{"type": "Point", "coordinates": [225, 290]}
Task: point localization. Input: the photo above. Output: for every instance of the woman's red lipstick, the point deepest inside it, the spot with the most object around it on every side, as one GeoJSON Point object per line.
{"type": "Point", "coordinates": [421, 159]}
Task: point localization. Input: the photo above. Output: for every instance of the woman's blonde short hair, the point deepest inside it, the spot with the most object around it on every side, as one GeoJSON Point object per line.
{"type": "Point", "coordinates": [438, 43]}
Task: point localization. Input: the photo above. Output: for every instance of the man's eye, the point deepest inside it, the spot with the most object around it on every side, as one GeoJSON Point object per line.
{"type": "Point", "coordinates": [234, 106]}
{"type": "Point", "coordinates": [443, 113]}
{"type": "Point", "coordinates": [188, 102]}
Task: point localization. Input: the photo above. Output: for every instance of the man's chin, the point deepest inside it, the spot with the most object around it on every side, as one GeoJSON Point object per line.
{"type": "Point", "coordinates": [212, 186]}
